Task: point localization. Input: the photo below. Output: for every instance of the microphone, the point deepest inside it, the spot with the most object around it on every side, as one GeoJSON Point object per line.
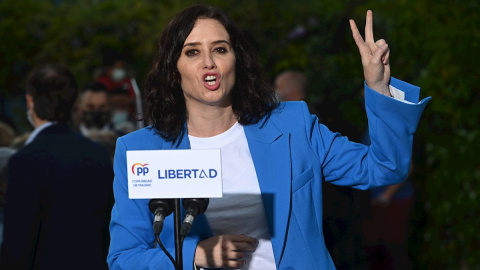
{"type": "Point", "coordinates": [193, 207]}
{"type": "Point", "coordinates": [161, 208]}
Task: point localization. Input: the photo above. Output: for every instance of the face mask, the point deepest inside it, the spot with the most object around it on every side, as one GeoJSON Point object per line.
{"type": "Point", "coordinates": [118, 74]}
{"type": "Point", "coordinates": [30, 118]}
{"type": "Point", "coordinates": [96, 119]}
{"type": "Point", "coordinates": [119, 117]}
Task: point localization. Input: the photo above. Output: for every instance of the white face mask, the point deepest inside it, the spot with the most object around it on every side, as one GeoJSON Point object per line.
{"type": "Point", "coordinates": [118, 74]}
{"type": "Point", "coordinates": [30, 118]}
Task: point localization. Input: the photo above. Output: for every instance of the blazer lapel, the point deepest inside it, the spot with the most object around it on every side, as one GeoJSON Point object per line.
{"type": "Point", "coordinates": [181, 143]}
{"type": "Point", "coordinates": [270, 149]}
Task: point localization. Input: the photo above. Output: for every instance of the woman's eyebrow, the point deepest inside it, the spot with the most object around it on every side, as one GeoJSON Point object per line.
{"type": "Point", "coordinates": [221, 41]}
{"type": "Point", "coordinates": [198, 43]}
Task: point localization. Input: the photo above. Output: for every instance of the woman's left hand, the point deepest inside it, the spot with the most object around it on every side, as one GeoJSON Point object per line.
{"type": "Point", "coordinates": [375, 56]}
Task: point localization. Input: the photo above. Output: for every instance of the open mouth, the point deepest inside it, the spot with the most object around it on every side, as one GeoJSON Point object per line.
{"type": "Point", "coordinates": [211, 79]}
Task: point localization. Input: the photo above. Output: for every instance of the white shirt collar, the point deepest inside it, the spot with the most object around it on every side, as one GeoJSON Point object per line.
{"type": "Point", "coordinates": [38, 130]}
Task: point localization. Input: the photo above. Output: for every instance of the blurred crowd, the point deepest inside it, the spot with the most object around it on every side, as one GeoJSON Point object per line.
{"type": "Point", "coordinates": [70, 124]}
{"type": "Point", "coordinates": [105, 108]}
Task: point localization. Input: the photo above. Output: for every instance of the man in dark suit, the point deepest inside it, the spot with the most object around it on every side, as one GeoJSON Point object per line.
{"type": "Point", "coordinates": [59, 194]}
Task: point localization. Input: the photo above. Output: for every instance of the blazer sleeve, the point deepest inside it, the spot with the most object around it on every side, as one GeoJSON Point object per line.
{"type": "Point", "coordinates": [131, 231]}
{"type": "Point", "coordinates": [391, 125]}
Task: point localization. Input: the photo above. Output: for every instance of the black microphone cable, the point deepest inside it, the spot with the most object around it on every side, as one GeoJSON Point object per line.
{"type": "Point", "coordinates": [161, 208]}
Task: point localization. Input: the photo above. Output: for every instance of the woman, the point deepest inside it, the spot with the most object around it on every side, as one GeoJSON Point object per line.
{"type": "Point", "coordinates": [205, 91]}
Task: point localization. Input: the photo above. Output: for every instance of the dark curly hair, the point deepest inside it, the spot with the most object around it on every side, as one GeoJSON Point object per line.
{"type": "Point", "coordinates": [252, 96]}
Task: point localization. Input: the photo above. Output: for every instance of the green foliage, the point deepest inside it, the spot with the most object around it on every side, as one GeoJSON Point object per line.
{"type": "Point", "coordinates": [433, 44]}
{"type": "Point", "coordinates": [440, 44]}
{"type": "Point", "coordinates": [74, 33]}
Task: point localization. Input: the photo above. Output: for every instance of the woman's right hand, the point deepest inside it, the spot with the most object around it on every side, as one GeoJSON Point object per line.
{"type": "Point", "coordinates": [375, 57]}
{"type": "Point", "coordinates": [224, 251]}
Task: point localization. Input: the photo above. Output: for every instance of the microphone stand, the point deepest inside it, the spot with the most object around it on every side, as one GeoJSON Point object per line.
{"type": "Point", "coordinates": [178, 243]}
{"type": "Point", "coordinates": [138, 103]}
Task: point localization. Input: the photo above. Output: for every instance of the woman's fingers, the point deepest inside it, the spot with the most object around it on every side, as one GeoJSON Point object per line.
{"type": "Point", "coordinates": [375, 56]}
{"type": "Point", "coordinates": [233, 255]}
{"type": "Point", "coordinates": [224, 251]}
{"type": "Point", "coordinates": [243, 246]}
{"type": "Point", "coordinates": [386, 57]}
{"type": "Point", "coordinates": [369, 28]}
{"type": "Point", "coordinates": [369, 49]}
{"type": "Point", "coordinates": [357, 36]}
{"type": "Point", "coordinates": [380, 53]}
{"type": "Point", "coordinates": [235, 263]}
{"type": "Point", "coordinates": [380, 42]}
{"type": "Point", "coordinates": [242, 238]}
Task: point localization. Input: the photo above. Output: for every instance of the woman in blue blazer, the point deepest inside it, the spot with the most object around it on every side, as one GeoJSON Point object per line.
{"type": "Point", "coordinates": [205, 89]}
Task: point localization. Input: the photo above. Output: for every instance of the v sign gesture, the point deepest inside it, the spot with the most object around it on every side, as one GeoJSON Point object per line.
{"type": "Point", "coordinates": [376, 67]}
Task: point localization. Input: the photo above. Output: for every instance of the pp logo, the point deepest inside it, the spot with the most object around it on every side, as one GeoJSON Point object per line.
{"type": "Point", "coordinates": [141, 168]}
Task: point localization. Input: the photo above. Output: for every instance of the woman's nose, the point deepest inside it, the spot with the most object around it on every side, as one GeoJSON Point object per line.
{"type": "Point", "coordinates": [208, 62]}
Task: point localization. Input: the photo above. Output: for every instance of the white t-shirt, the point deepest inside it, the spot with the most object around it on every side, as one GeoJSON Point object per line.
{"type": "Point", "coordinates": [241, 209]}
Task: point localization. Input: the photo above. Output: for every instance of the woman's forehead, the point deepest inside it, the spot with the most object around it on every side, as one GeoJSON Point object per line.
{"type": "Point", "coordinates": [207, 29]}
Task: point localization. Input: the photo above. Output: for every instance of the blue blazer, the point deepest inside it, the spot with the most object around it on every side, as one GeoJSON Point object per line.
{"type": "Point", "coordinates": [292, 154]}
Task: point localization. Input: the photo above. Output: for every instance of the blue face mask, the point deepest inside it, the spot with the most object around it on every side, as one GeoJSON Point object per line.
{"type": "Point", "coordinates": [119, 117]}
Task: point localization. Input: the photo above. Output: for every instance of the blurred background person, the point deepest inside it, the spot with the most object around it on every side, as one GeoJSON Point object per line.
{"type": "Point", "coordinates": [122, 108]}
{"type": "Point", "coordinates": [19, 141]}
{"type": "Point", "coordinates": [291, 85]}
{"type": "Point", "coordinates": [56, 174]}
{"type": "Point", "coordinates": [5, 154]}
{"type": "Point", "coordinates": [118, 77]}
{"type": "Point", "coordinates": [10, 125]}
{"type": "Point", "coordinates": [93, 109]}
{"type": "Point", "coordinates": [102, 116]}
{"type": "Point", "coordinates": [7, 135]}
{"type": "Point", "coordinates": [115, 72]}
{"type": "Point", "coordinates": [386, 222]}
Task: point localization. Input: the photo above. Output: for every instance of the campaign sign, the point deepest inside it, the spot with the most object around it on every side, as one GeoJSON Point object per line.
{"type": "Point", "coordinates": [174, 174]}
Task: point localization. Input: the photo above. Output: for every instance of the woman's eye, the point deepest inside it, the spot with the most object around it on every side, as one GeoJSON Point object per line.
{"type": "Point", "coordinates": [191, 52]}
{"type": "Point", "coordinates": [221, 50]}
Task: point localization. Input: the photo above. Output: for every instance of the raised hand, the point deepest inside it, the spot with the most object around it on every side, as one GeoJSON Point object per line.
{"type": "Point", "coordinates": [224, 251]}
{"type": "Point", "coordinates": [375, 56]}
